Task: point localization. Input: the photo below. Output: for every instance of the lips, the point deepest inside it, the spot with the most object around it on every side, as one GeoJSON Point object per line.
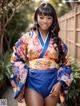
{"type": "Point", "coordinates": [45, 26]}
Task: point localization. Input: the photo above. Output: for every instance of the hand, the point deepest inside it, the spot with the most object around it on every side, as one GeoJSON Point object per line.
{"type": "Point", "coordinates": [55, 89]}
{"type": "Point", "coordinates": [20, 98]}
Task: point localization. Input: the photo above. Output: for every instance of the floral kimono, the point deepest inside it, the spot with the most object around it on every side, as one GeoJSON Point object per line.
{"type": "Point", "coordinates": [32, 52]}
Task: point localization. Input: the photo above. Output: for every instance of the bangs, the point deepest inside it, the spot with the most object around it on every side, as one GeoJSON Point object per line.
{"type": "Point", "coordinates": [46, 10]}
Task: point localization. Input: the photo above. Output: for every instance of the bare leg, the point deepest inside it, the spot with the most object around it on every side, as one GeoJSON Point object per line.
{"type": "Point", "coordinates": [63, 104]}
{"type": "Point", "coordinates": [51, 100]}
{"type": "Point", "coordinates": [33, 98]}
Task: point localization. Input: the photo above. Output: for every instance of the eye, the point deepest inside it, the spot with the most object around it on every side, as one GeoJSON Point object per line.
{"type": "Point", "coordinates": [50, 17]}
{"type": "Point", "coordinates": [41, 17]}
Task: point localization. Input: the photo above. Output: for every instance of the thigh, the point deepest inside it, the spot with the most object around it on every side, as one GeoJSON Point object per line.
{"type": "Point", "coordinates": [33, 98]}
{"type": "Point", "coordinates": [51, 100]}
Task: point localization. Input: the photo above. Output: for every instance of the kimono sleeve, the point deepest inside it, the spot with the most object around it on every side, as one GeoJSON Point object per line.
{"type": "Point", "coordinates": [65, 76]}
{"type": "Point", "coordinates": [18, 64]}
{"type": "Point", "coordinates": [19, 54]}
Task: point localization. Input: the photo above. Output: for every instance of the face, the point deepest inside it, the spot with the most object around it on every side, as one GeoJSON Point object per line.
{"type": "Point", "coordinates": [44, 21]}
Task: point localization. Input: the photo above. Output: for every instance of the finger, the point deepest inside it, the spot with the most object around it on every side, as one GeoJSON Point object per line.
{"type": "Point", "coordinates": [19, 99]}
{"type": "Point", "coordinates": [52, 90]}
{"type": "Point", "coordinates": [51, 94]}
{"type": "Point", "coordinates": [54, 93]}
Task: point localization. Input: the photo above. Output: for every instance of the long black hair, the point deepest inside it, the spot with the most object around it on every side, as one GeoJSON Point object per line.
{"type": "Point", "coordinates": [48, 10]}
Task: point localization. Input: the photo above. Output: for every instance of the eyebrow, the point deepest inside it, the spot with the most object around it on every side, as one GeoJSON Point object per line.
{"type": "Point", "coordinates": [44, 15]}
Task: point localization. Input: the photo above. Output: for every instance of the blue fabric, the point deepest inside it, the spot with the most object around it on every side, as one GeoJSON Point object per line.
{"type": "Point", "coordinates": [41, 81]}
{"type": "Point", "coordinates": [41, 40]}
{"type": "Point", "coordinates": [16, 79]}
{"type": "Point", "coordinates": [19, 58]}
{"type": "Point", "coordinates": [13, 77]}
{"type": "Point", "coordinates": [20, 85]}
{"type": "Point", "coordinates": [65, 70]}
{"type": "Point", "coordinates": [63, 84]}
{"type": "Point", "coordinates": [65, 50]}
{"type": "Point", "coordinates": [44, 45]}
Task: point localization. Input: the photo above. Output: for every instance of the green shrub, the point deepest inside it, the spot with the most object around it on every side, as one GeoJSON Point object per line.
{"type": "Point", "coordinates": [73, 97]}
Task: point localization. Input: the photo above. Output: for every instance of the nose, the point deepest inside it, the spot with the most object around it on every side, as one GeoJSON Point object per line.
{"type": "Point", "coordinates": [45, 20]}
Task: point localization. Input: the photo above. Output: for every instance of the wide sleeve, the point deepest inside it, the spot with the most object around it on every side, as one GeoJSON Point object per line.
{"type": "Point", "coordinates": [19, 66]}
{"type": "Point", "coordinates": [65, 76]}
{"type": "Point", "coordinates": [19, 55]}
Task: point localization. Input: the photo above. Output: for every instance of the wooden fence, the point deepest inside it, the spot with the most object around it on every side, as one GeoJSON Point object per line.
{"type": "Point", "coordinates": [70, 31]}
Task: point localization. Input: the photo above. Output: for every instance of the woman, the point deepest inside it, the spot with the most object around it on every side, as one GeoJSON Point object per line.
{"type": "Point", "coordinates": [40, 66]}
